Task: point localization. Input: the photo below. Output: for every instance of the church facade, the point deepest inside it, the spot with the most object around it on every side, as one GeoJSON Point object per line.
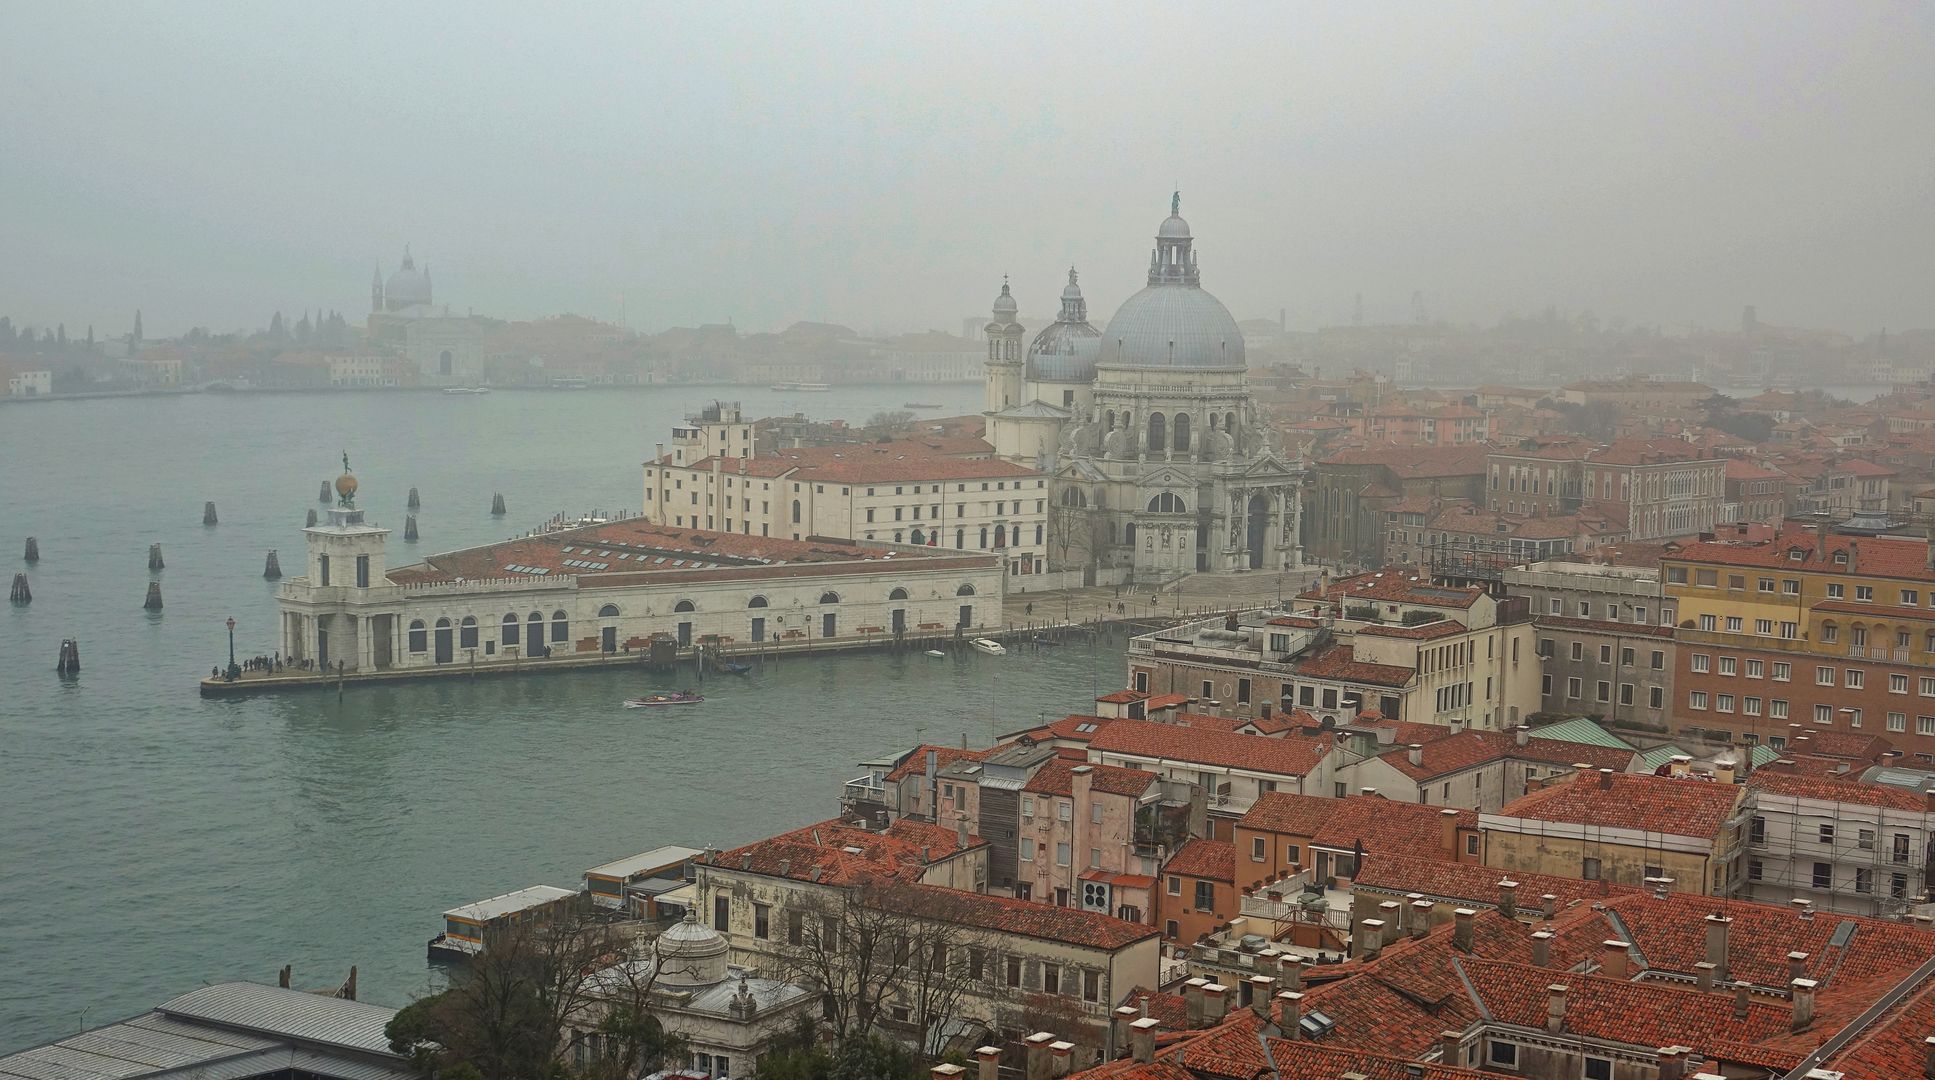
{"type": "Point", "coordinates": [403, 318]}
{"type": "Point", "coordinates": [1160, 461]}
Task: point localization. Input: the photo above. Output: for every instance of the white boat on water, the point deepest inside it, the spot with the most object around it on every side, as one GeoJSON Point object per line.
{"type": "Point", "coordinates": [989, 646]}
{"type": "Point", "coordinates": [466, 389]}
{"type": "Point", "coordinates": [936, 653]}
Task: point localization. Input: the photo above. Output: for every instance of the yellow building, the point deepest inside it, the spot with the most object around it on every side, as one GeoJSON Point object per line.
{"type": "Point", "coordinates": [1624, 828]}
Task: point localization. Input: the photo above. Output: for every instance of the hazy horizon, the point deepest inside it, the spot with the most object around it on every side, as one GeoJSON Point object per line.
{"type": "Point", "coordinates": [883, 166]}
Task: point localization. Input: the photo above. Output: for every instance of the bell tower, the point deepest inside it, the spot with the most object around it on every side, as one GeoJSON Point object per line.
{"type": "Point", "coordinates": [1004, 353]}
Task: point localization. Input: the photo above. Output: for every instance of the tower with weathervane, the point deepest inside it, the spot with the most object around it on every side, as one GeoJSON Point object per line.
{"type": "Point", "coordinates": [345, 561]}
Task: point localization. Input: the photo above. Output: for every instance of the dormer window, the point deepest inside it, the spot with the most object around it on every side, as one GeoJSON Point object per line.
{"type": "Point", "coordinates": [1840, 558]}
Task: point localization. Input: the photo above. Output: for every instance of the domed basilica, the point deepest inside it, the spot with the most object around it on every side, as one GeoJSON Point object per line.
{"type": "Point", "coordinates": [1159, 460]}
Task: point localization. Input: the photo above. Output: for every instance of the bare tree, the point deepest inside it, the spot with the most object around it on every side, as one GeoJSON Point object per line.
{"type": "Point", "coordinates": [885, 953]}
{"type": "Point", "coordinates": [891, 420]}
{"type": "Point", "coordinates": [1075, 534]}
{"type": "Point", "coordinates": [514, 1011]}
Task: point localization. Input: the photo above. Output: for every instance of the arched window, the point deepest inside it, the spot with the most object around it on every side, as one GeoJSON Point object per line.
{"type": "Point", "coordinates": [1156, 432]}
{"type": "Point", "coordinates": [965, 590]}
{"type": "Point", "coordinates": [984, 537]}
{"type": "Point", "coordinates": [1128, 534]}
{"type": "Point", "coordinates": [508, 635]}
{"type": "Point", "coordinates": [1000, 536]}
{"type": "Point", "coordinates": [757, 601]}
{"type": "Point", "coordinates": [1037, 534]}
{"type": "Point", "coordinates": [1857, 634]}
{"type": "Point", "coordinates": [1074, 497]}
{"type": "Point", "coordinates": [829, 597]}
{"type": "Point", "coordinates": [609, 611]}
{"type": "Point", "coordinates": [443, 624]}
{"type": "Point", "coordinates": [917, 536]}
{"type": "Point", "coordinates": [796, 511]}
{"type": "Point", "coordinates": [1167, 503]}
{"type": "Point", "coordinates": [560, 626]}
{"type": "Point", "coordinates": [467, 633]}
{"type": "Point", "coordinates": [897, 594]}
{"type": "Point", "coordinates": [687, 605]}
{"type": "Point", "coordinates": [1111, 416]}
{"type": "Point", "coordinates": [960, 539]}
{"type": "Point", "coordinates": [419, 636]}
{"type": "Point", "coordinates": [1182, 431]}
{"type": "Point", "coordinates": [1229, 423]}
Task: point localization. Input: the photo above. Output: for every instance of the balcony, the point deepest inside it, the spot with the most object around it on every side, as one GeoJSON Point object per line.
{"type": "Point", "coordinates": [864, 789]}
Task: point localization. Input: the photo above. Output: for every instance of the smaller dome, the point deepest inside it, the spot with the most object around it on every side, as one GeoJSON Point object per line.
{"type": "Point", "coordinates": [1005, 303]}
{"type": "Point", "coordinates": [691, 953]}
{"type": "Point", "coordinates": [1173, 228]}
{"type": "Point", "coordinates": [346, 485]}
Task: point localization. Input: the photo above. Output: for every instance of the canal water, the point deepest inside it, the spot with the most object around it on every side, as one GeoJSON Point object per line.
{"type": "Point", "coordinates": [151, 841]}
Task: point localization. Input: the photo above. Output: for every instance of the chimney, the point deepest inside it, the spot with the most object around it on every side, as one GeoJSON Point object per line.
{"type": "Point", "coordinates": [1292, 970]}
{"type": "Point", "coordinates": [1391, 913]}
{"type": "Point", "coordinates": [946, 1071]}
{"type": "Point", "coordinates": [1672, 1064]}
{"type": "Point", "coordinates": [1450, 841]}
{"type": "Point", "coordinates": [1717, 944]}
{"type": "Point", "coordinates": [1612, 960]}
{"type": "Point", "coordinates": [1723, 770]}
{"type": "Point", "coordinates": [745, 861]}
{"type": "Point", "coordinates": [1059, 1057]}
{"type": "Point", "coordinates": [1605, 779]}
{"type": "Point", "coordinates": [1119, 1022]}
{"type": "Point", "coordinates": [1541, 948]}
{"type": "Point", "coordinates": [987, 1063]}
{"type": "Point", "coordinates": [1193, 1002]}
{"type": "Point", "coordinates": [1448, 1046]}
{"type": "Point", "coordinates": [1523, 735]}
{"type": "Point", "coordinates": [1555, 1008]}
{"type": "Point", "coordinates": [1037, 1064]}
{"type": "Point", "coordinates": [1548, 905]}
{"type": "Point", "coordinates": [1508, 897]}
{"type": "Point", "coordinates": [1676, 766]}
{"type": "Point", "coordinates": [1415, 754]}
{"type": "Point", "coordinates": [1262, 988]}
{"type": "Point", "coordinates": [1740, 1001]}
{"type": "Point", "coordinates": [1420, 918]}
{"type": "Point", "coordinates": [1703, 974]}
{"type": "Point", "coordinates": [1803, 991]}
{"type": "Point", "coordinates": [1796, 965]}
{"type": "Point", "coordinates": [1928, 1044]}
{"type": "Point", "coordinates": [1369, 938]}
{"type": "Point", "coordinates": [1215, 1002]}
{"type": "Point", "coordinates": [961, 832]}
{"type": "Point", "coordinates": [1290, 1014]}
{"type": "Point", "coordinates": [1461, 928]}
{"type": "Point", "coordinates": [1142, 1039]}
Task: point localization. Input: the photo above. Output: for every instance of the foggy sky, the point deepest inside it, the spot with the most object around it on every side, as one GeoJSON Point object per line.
{"type": "Point", "coordinates": [884, 166]}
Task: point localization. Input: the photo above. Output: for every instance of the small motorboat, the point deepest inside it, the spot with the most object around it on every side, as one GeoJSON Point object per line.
{"type": "Point", "coordinates": [733, 667]}
{"type": "Point", "coordinates": [937, 654]}
{"type": "Point", "coordinates": [674, 697]}
{"type": "Point", "coordinates": [989, 646]}
{"type": "Point", "coordinates": [919, 405]}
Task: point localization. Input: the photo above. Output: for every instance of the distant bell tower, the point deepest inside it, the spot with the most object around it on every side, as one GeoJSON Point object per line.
{"type": "Point", "coordinates": [1004, 353]}
{"type": "Point", "coordinates": [376, 289]}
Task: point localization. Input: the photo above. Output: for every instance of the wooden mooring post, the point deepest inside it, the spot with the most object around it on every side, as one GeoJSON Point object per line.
{"type": "Point", "coordinates": [272, 570]}
{"type": "Point", "coordinates": [410, 527]}
{"type": "Point", "coordinates": [208, 513]}
{"type": "Point", "coordinates": [154, 557]}
{"type": "Point", "coordinates": [33, 549]}
{"type": "Point", "coordinates": [497, 505]}
{"type": "Point", "coordinates": [70, 657]}
{"type": "Point", "coordinates": [153, 602]}
{"type": "Point", "coordinates": [311, 522]}
{"type": "Point", "coordinates": [21, 594]}
{"type": "Point", "coordinates": [415, 503]}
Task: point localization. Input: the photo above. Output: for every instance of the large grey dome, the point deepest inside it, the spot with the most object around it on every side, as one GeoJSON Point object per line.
{"type": "Point", "coordinates": [691, 953]}
{"type": "Point", "coordinates": [1173, 326]}
{"type": "Point", "coordinates": [407, 286]}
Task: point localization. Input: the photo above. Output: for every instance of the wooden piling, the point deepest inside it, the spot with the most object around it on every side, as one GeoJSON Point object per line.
{"type": "Point", "coordinates": [208, 513]}
{"type": "Point", "coordinates": [497, 505]}
{"type": "Point", "coordinates": [33, 549]}
{"type": "Point", "coordinates": [153, 602]}
{"type": "Point", "coordinates": [70, 657]}
{"type": "Point", "coordinates": [154, 557]}
{"type": "Point", "coordinates": [311, 523]}
{"type": "Point", "coordinates": [415, 503]}
{"type": "Point", "coordinates": [21, 594]}
{"type": "Point", "coordinates": [325, 495]}
{"type": "Point", "coordinates": [410, 526]}
{"type": "Point", "coordinates": [272, 570]}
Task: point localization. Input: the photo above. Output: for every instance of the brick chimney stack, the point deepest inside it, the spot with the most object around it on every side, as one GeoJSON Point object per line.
{"type": "Point", "coordinates": [1290, 1014]}
{"type": "Point", "coordinates": [1555, 1008]}
{"type": "Point", "coordinates": [1369, 938]}
{"type": "Point", "coordinates": [1612, 961]}
{"type": "Point", "coordinates": [1461, 929]}
{"type": "Point", "coordinates": [1717, 944]}
{"type": "Point", "coordinates": [1541, 948]}
{"type": "Point", "coordinates": [1803, 992]}
{"type": "Point", "coordinates": [1036, 1065]}
{"type": "Point", "coordinates": [1262, 989]}
{"type": "Point", "coordinates": [1060, 1057]}
{"type": "Point", "coordinates": [987, 1063]}
{"type": "Point", "coordinates": [1142, 1039]}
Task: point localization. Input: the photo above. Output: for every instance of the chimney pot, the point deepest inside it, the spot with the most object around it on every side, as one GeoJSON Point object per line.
{"type": "Point", "coordinates": [1613, 959]}
{"type": "Point", "coordinates": [1142, 1039]}
{"type": "Point", "coordinates": [1420, 918]}
{"type": "Point", "coordinates": [1672, 1062]}
{"type": "Point", "coordinates": [1461, 928]}
{"type": "Point", "coordinates": [1193, 1001]}
{"type": "Point", "coordinates": [1797, 965]}
{"type": "Point", "coordinates": [1803, 993]}
{"type": "Point", "coordinates": [1290, 1014]}
{"type": "Point", "coordinates": [1703, 974]}
{"type": "Point", "coordinates": [1541, 948]}
{"type": "Point", "coordinates": [1370, 938]}
{"type": "Point", "coordinates": [1037, 1066]}
{"type": "Point", "coordinates": [1605, 779]}
{"type": "Point", "coordinates": [1415, 753]}
{"type": "Point", "coordinates": [1292, 971]}
{"type": "Point", "coordinates": [1262, 987]}
{"type": "Point", "coordinates": [1717, 944]}
{"type": "Point", "coordinates": [1448, 1047]}
{"type": "Point", "coordinates": [1508, 897]}
{"type": "Point", "coordinates": [1391, 913]}
{"type": "Point", "coordinates": [1059, 1056]}
{"type": "Point", "coordinates": [1555, 1008]}
{"type": "Point", "coordinates": [1740, 1001]}
{"type": "Point", "coordinates": [1215, 1000]}
{"type": "Point", "coordinates": [946, 1071]}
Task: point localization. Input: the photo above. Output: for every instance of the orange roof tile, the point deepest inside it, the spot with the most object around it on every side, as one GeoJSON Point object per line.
{"type": "Point", "coordinates": [840, 853]}
{"type": "Point", "coordinates": [1007, 915]}
{"type": "Point", "coordinates": [1829, 789]}
{"type": "Point", "coordinates": [1289, 755]}
{"type": "Point", "coordinates": [1472, 749]}
{"type": "Point", "coordinates": [1659, 804]}
{"type": "Point", "coordinates": [1386, 825]}
{"type": "Point", "coordinates": [1058, 778]}
{"type": "Point", "coordinates": [1288, 814]}
{"type": "Point", "coordinates": [1340, 662]}
{"type": "Point", "coordinates": [1200, 858]}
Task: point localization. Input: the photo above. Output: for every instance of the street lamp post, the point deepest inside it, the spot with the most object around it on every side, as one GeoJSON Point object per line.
{"type": "Point", "coordinates": [234, 669]}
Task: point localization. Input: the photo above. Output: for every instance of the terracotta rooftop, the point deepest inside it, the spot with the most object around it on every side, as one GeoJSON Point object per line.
{"type": "Point", "coordinates": [1289, 755]}
{"type": "Point", "coordinates": [1200, 858]}
{"type": "Point", "coordinates": [1795, 549]}
{"type": "Point", "coordinates": [840, 853]}
{"type": "Point", "coordinates": [1289, 814]}
{"type": "Point", "coordinates": [1058, 778]}
{"type": "Point", "coordinates": [915, 763]}
{"type": "Point", "coordinates": [1045, 922]}
{"type": "Point", "coordinates": [1474, 885]}
{"type": "Point", "coordinates": [1340, 662]}
{"type": "Point", "coordinates": [1395, 585]}
{"type": "Point", "coordinates": [1828, 789]}
{"type": "Point", "coordinates": [1680, 807]}
{"type": "Point", "coordinates": [1472, 749]}
{"type": "Point", "coordinates": [1386, 826]}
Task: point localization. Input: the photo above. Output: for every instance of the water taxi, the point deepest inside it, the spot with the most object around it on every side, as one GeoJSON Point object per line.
{"type": "Point", "coordinates": [467, 928]}
{"type": "Point", "coordinates": [989, 646]}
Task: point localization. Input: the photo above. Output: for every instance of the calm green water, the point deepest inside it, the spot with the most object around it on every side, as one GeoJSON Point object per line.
{"type": "Point", "coordinates": [150, 841]}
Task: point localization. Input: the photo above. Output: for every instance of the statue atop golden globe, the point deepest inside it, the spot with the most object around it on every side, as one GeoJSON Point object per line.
{"type": "Point", "coordinates": [346, 486]}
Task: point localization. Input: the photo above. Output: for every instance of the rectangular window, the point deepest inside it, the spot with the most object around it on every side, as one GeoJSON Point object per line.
{"type": "Point", "coordinates": [1701, 663]}
{"type": "Point", "coordinates": [1656, 697]}
{"type": "Point", "coordinates": [1257, 849]}
{"type": "Point", "coordinates": [1728, 666]}
{"type": "Point", "coordinates": [1578, 650]}
{"type": "Point", "coordinates": [1051, 979]}
{"type": "Point", "coordinates": [1733, 624]}
{"type": "Point", "coordinates": [1589, 869]}
{"type": "Point", "coordinates": [1910, 598]}
{"type": "Point", "coordinates": [1604, 690]}
{"type": "Point", "coordinates": [1783, 671]}
{"type": "Point", "coordinates": [1503, 1053]}
{"type": "Point", "coordinates": [1572, 688]}
{"type": "Point", "coordinates": [1723, 703]}
{"type": "Point", "coordinates": [1823, 875]}
{"type": "Point", "coordinates": [1824, 676]}
{"type": "Point", "coordinates": [1864, 593]}
{"type": "Point", "coordinates": [1857, 679]}
{"type": "Point", "coordinates": [1625, 693]}
{"type": "Point", "coordinates": [1837, 591]}
{"type": "Point", "coordinates": [1605, 654]}
{"type": "Point", "coordinates": [1013, 972]}
{"type": "Point", "coordinates": [1750, 706]}
{"type": "Point", "coordinates": [1659, 660]}
{"type": "Point", "coordinates": [1777, 708]}
{"type": "Point", "coordinates": [722, 913]}
{"type": "Point", "coordinates": [1175, 885]}
{"type": "Point", "coordinates": [1755, 668]}
{"type": "Point", "coordinates": [795, 928]}
{"type": "Point", "coordinates": [1898, 684]}
{"type": "Point", "coordinates": [1765, 584]}
{"type": "Point", "coordinates": [1925, 725]}
{"type": "Point", "coordinates": [1790, 586]}
{"type": "Point", "coordinates": [1764, 627]}
{"type": "Point", "coordinates": [1598, 1068]}
{"type": "Point", "coordinates": [762, 921]}
{"type": "Point", "coordinates": [1696, 699]}
{"type": "Point", "coordinates": [1205, 896]}
{"type": "Point", "coordinates": [1709, 623]}
{"type": "Point", "coordinates": [1061, 854]}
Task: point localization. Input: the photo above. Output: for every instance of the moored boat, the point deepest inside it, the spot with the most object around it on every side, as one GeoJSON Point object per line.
{"type": "Point", "coordinates": [989, 646]}
{"type": "Point", "coordinates": [672, 697]}
{"type": "Point", "coordinates": [937, 654]}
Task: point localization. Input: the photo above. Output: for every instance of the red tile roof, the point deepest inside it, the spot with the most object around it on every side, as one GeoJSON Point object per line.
{"type": "Point", "coordinates": [821, 853]}
{"type": "Point", "coordinates": [1385, 826]}
{"type": "Point", "coordinates": [1828, 789]}
{"type": "Point", "coordinates": [1671, 935]}
{"type": "Point", "coordinates": [1873, 556]}
{"type": "Point", "coordinates": [1289, 755]}
{"type": "Point", "coordinates": [1339, 662]}
{"type": "Point", "coordinates": [1122, 697]}
{"type": "Point", "coordinates": [1680, 807]}
{"type": "Point", "coordinates": [1474, 885]}
{"type": "Point", "coordinates": [1200, 858]}
{"type": "Point", "coordinates": [1058, 778]}
{"type": "Point", "coordinates": [915, 763]}
{"type": "Point", "coordinates": [1007, 915]}
{"type": "Point", "coordinates": [1288, 814]}
{"type": "Point", "coordinates": [1472, 749]}
{"type": "Point", "coordinates": [1421, 632]}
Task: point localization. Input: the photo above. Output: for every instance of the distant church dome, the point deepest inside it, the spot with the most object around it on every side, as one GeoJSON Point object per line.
{"type": "Point", "coordinates": [408, 286]}
{"type": "Point", "coordinates": [1173, 323]}
{"type": "Point", "coordinates": [1004, 305]}
{"type": "Point", "coordinates": [1065, 349]}
{"type": "Point", "coordinates": [691, 953]}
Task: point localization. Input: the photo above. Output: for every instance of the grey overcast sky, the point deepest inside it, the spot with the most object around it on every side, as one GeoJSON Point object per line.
{"type": "Point", "coordinates": [883, 166]}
